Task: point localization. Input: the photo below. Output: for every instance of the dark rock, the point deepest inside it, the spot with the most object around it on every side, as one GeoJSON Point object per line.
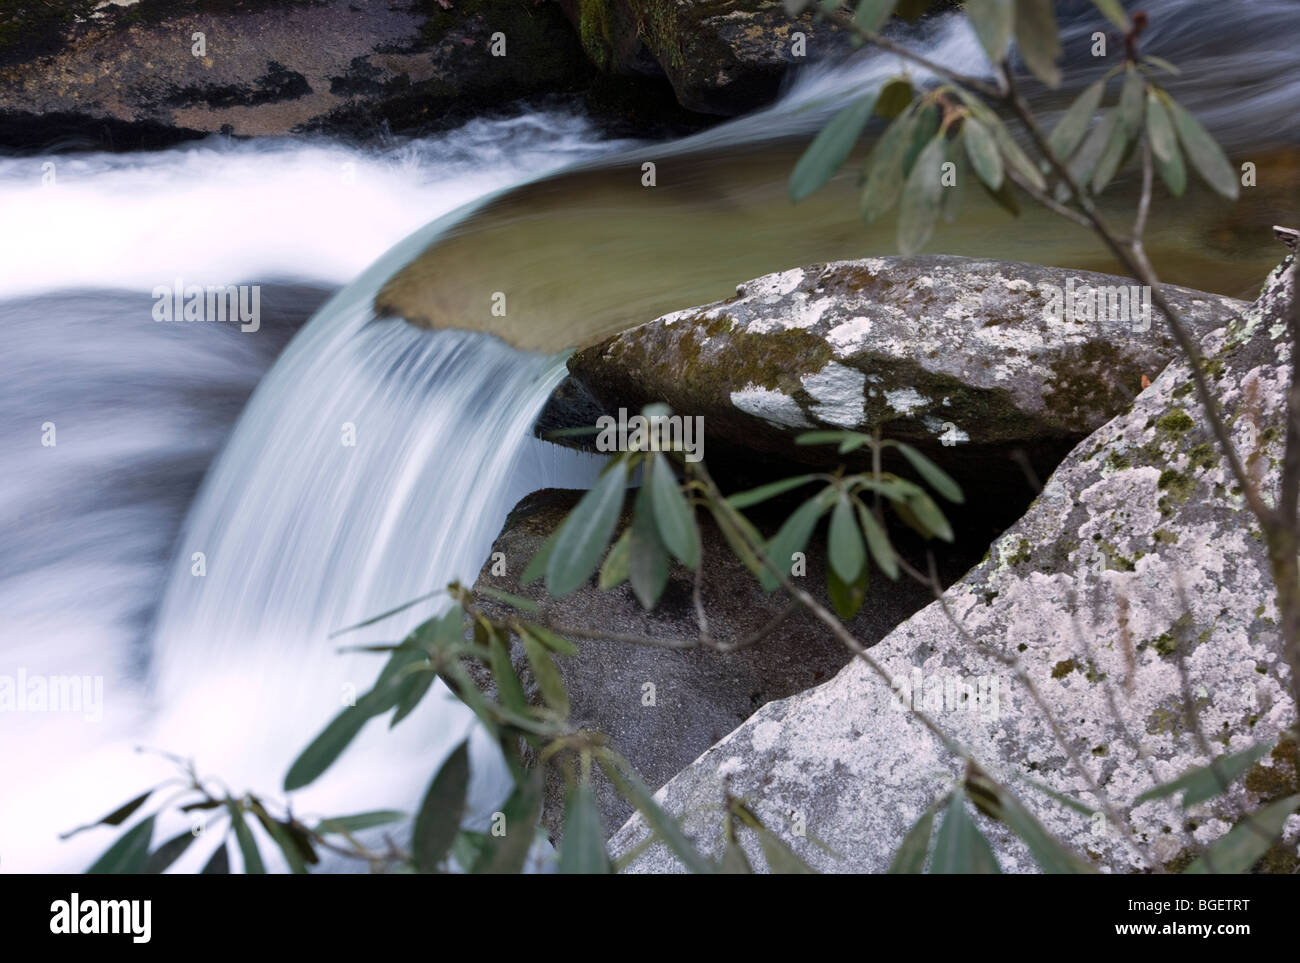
{"type": "Point", "coordinates": [271, 68]}
{"type": "Point", "coordinates": [700, 694]}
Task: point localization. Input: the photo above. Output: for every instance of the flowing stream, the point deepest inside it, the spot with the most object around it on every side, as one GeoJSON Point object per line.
{"type": "Point", "coordinates": [215, 504]}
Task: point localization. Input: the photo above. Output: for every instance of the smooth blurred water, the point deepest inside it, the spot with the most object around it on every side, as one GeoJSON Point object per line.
{"type": "Point", "coordinates": [301, 533]}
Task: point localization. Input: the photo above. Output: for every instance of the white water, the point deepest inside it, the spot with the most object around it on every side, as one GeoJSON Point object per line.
{"type": "Point", "coordinates": [302, 535]}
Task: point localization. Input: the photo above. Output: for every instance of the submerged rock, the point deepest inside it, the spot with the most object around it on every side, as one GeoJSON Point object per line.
{"type": "Point", "coordinates": [140, 73]}
{"type": "Point", "coordinates": [1138, 554]}
{"type": "Point", "coordinates": [967, 359]}
{"type": "Point", "coordinates": [697, 695]}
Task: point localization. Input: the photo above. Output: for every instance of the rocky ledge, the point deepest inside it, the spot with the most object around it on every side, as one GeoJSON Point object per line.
{"type": "Point", "coordinates": [1136, 586]}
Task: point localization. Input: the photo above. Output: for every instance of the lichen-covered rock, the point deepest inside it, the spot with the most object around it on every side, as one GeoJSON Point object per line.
{"type": "Point", "coordinates": [969, 360]}
{"type": "Point", "coordinates": [721, 56]}
{"type": "Point", "coordinates": [142, 73]}
{"type": "Point", "coordinates": [697, 695]}
{"type": "Point", "coordinates": [1139, 553]}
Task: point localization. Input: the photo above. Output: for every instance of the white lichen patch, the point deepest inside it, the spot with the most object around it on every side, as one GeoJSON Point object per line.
{"type": "Point", "coordinates": [774, 407]}
{"type": "Point", "coordinates": [906, 400]}
{"type": "Point", "coordinates": [838, 394]}
{"type": "Point", "coordinates": [848, 337]}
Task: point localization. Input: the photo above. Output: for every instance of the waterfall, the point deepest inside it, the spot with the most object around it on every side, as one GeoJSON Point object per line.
{"type": "Point", "coordinates": [374, 464]}
{"type": "Point", "coordinates": [301, 531]}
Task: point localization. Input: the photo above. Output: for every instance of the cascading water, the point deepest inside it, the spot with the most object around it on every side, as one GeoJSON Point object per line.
{"type": "Point", "coordinates": [302, 532]}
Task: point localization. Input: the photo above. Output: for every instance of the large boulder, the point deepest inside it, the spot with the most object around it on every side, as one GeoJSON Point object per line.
{"type": "Point", "coordinates": [699, 694]}
{"type": "Point", "coordinates": [967, 359]}
{"type": "Point", "coordinates": [1137, 557]}
{"type": "Point", "coordinates": [721, 56]}
{"type": "Point", "coordinates": [133, 73]}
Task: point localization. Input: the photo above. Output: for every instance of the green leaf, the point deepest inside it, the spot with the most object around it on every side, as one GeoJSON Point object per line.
{"type": "Point", "coordinates": [1069, 130]}
{"type": "Point", "coordinates": [1206, 782]}
{"type": "Point", "coordinates": [1051, 856]}
{"type": "Point", "coordinates": [1068, 801]}
{"type": "Point", "coordinates": [910, 858]}
{"type": "Point", "coordinates": [1161, 63]}
{"type": "Point", "coordinates": [129, 854]}
{"type": "Point", "coordinates": [613, 572]}
{"type": "Point", "coordinates": [116, 818]}
{"type": "Point", "coordinates": [536, 568]}
{"type": "Point", "coordinates": [1114, 12]}
{"type": "Point", "coordinates": [1205, 154]}
{"type": "Point", "coordinates": [794, 535]}
{"type": "Point", "coordinates": [1085, 160]}
{"type": "Point", "coordinates": [585, 534]}
{"type": "Point", "coordinates": [507, 854]}
{"type": "Point", "coordinates": [169, 852]}
{"type": "Point", "coordinates": [247, 844]}
{"type": "Point", "coordinates": [295, 852]}
{"type": "Point", "coordinates": [346, 825]}
{"type": "Point", "coordinates": [795, 7]}
{"type": "Point", "coordinates": [960, 847]}
{"type": "Point", "coordinates": [872, 14]}
{"type": "Point", "coordinates": [780, 857]}
{"type": "Point", "coordinates": [218, 863]}
{"type": "Point", "coordinates": [1038, 39]}
{"type": "Point", "coordinates": [583, 848]}
{"type": "Point", "coordinates": [510, 692]}
{"type": "Point", "coordinates": [878, 543]}
{"type": "Point", "coordinates": [919, 207]}
{"type": "Point", "coordinates": [1132, 100]}
{"type": "Point", "coordinates": [514, 601]}
{"type": "Point", "coordinates": [992, 20]}
{"type": "Point", "coordinates": [1244, 844]}
{"type": "Point", "coordinates": [549, 681]}
{"type": "Point", "coordinates": [932, 474]}
{"type": "Point", "coordinates": [647, 560]}
{"type": "Point", "coordinates": [831, 148]}
{"type": "Point", "coordinates": [931, 519]}
{"type": "Point", "coordinates": [884, 170]}
{"type": "Point", "coordinates": [1113, 156]}
{"type": "Point", "coordinates": [894, 97]}
{"type": "Point", "coordinates": [741, 536]}
{"type": "Point", "coordinates": [556, 643]}
{"type": "Point", "coordinates": [674, 518]}
{"type": "Point", "coordinates": [847, 597]}
{"type": "Point", "coordinates": [1160, 130]}
{"type": "Point", "coordinates": [924, 129]}
{"type": "Point", "coordinates": [438, 821]}
{"type": "Point", "coordinates": [846, 550]}
{"type": "Point", "coordinates": [734, 860]}
{"type": "Point", "coordinates": [983, 152]}
{"type": "Point", "coordinates": [664, 826]}
{"type": "Point", "coordinates": [1173, 172]}
{"type": "Point", "coordinates": [326, 747]}
{"type": "Point", "coordinates": [1016, 157]}
{"type": "Point", "coordinates": [763, 492]}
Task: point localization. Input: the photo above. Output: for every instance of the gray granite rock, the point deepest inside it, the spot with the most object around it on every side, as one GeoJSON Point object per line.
{"type": "Point", "coordinates": [969, 360]}
{"type": "Point", "coordinates": [1138, 553]}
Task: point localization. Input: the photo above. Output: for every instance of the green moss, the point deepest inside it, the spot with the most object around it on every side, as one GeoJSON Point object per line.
{"type": "Point", "coordinates": [1062, 669]}
{"type": "Point", "coordinates": [1177, 485]}
{"type": "Point", "coordinates": [1279, 778]}
{"type": "Point", "coordinates": [1021, 554]}
{"type": "Point", "coordinates": [596, 33]}
{"type": "Point", "coordinates": [1165, 537]}
{"type": "Point", "coordinates": [1203, 456]}
{"type": "Point", "coordinates": [1176, 422]}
